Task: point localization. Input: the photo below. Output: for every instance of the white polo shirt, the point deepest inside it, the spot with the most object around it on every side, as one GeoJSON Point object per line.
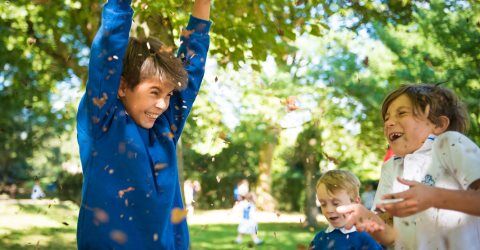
{"type": "Point", "coordinates": [450, 161]}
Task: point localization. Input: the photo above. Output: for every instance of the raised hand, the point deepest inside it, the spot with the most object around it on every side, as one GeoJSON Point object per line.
{"type": "Point", "coordinates": [417, 198]}
{"type": "Point", "coordinates": [363, 219]}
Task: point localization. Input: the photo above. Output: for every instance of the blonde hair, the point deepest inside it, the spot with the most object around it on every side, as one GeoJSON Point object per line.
{"type": "Point", "coordinates": [338, 179]}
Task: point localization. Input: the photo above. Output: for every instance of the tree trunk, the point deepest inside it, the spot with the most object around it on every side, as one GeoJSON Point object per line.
{"type": "Point", "coordinates": [265, 200]}
{"type": "Point", "coordinates": [181, 178]}
{"type": "Point", "coordinates": [311, 210]}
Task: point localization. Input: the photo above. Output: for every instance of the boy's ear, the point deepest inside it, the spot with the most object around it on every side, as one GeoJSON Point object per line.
{"type": "Point", "coordinates": [357, 200]}
{"type": "Point", "coordinates": [122, 88]}
{"type": "Point", "coordinates": [442, 126]}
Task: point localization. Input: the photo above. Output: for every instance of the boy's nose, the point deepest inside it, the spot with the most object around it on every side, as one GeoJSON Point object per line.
{"type": "Point", "coordinates": [162, 104]}
{"type": "Point", "coordinates": [330, 208]}
{"type": "Point", "coordinates": [389, 122]}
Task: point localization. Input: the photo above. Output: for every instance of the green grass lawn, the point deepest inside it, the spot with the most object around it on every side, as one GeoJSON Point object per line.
{"type": "Point", "coordinates": [52, 225]}
{"type": "Point", "coordinates": [274, 235]}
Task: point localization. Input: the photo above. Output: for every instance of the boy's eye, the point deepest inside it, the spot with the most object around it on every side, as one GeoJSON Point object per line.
{"type": "Point", "coordinates": [154, 92]}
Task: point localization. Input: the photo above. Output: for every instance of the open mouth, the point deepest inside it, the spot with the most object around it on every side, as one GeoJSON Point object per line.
{"type": "Point", "coordinates": [333, 218]}
{"type": "Point", "coordinates": [394, 136]}
{"type": "Point", "coordinates": [152, 115]}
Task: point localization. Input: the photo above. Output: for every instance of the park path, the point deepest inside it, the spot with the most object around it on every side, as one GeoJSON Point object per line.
{"type": "Point", "coordinates": [228, 216]}
{"type": "Point", "coordinates": [199, 217]}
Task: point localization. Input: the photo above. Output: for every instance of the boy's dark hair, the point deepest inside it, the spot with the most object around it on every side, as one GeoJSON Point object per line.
{"type": "Point", "coordinates": [338, 179]}
{"type": "Point", "coordinates": [149, 58]}
{"type": "Point", "coordinates": [440, 101]}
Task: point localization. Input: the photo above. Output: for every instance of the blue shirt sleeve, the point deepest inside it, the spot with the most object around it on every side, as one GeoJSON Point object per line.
{"type": "Point", "coordinates": [195, 42]}
{"type": "Point", "coordinates": [370, 242]}
{"type": "Point", "coordinates": [106, 57]}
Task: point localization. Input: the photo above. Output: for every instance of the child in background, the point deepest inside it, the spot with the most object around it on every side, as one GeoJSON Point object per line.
{"type": "Point", "coordinates": [434, 174]}
{"type": "Point", "coordinates": [368, 195]}
{"type": "Point", "coordinates": [248, 222]}
{"type": "Point", "coordinates": [37, 192]}
{"type": "Point", "coordinates": [336, 188]}
{"type": "Point", "coordinates": [137, 99]}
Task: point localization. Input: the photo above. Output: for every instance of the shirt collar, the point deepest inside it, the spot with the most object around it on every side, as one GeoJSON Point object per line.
{"type": "Point", "coordinates": [330, 229]}
{"type": "Point", "coordinates": [427, 145]}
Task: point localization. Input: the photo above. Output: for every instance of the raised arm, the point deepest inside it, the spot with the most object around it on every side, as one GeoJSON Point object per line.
{"type": "Point", "coordinates": [201, 9]}
{"type": "Point", "coordinates": [195, 42]}
{"type": "Point", "coordinates": [106, 55]}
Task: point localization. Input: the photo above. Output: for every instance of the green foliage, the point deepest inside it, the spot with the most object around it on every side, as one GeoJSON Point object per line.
{"type": "Point", "coordinates": [70, 187]}
{"type": "Point", "coordinates": [440, 46]}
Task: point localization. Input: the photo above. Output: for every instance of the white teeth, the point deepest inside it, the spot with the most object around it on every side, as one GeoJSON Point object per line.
{"type": "Point", "coordinates": [394, 136]}
{"type": "Point", "coordinates": [152, 115]}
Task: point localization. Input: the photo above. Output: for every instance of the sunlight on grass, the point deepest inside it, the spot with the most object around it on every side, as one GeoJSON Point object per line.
{"type": "Point", "coordinates": [46, 224]}
{"type": "Point", "coordinates": [275, 236]}
{"type": "Point", "coordinates": [50, 224]}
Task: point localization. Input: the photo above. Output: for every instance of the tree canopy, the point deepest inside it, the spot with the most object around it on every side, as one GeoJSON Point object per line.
{"type": "Point", "coordinates": [338, 58]}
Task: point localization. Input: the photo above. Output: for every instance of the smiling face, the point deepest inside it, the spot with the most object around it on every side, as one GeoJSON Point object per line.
{"type": "Point", "coordinates": [146, 101]}
{"type": "Point", "coordinates": [405, 131]}
{"type": "Point", "coordinates": [329, 201]}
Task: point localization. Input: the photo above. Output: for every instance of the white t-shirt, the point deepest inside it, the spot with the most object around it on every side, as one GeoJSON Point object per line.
{"type": "Point", "coordinates": [450, 161]}
{"type": "Point", "coordinates": [248, 220]}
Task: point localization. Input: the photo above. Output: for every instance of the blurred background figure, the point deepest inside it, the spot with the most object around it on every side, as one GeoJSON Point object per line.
{"type": "Point", "coordinates": [37, 192]}
{"type": "Point", "coordinates": [240, 190]}
{"type": "Point", "coordinates": [190, 190]}
{"type": "Point", "coordinates": [248, 221]}
{"type": "Point", "coordinates": [368, 194]}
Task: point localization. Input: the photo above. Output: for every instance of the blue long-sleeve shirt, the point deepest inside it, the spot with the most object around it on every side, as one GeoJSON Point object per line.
{"type": "Point", "coordinates": [342, 239]}
{"type": "Point", "coordinates": [130, 174]}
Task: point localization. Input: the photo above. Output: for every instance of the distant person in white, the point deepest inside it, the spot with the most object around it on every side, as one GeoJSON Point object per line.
{"type": "Point", "coordinates": [37, 192]}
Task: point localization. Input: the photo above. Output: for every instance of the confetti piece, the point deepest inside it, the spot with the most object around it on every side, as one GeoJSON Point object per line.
{"type": "Point", "coordinates": [178, 215]}
{"type": "Point", "coordinates": [186, 33]}
{"type": "Point", "coordinates": [100, 215]}
{"type": "Point", "coordinates": [123, 191]}
{"type": "Point", "coordinates": [99, 102]}
{"type": "Point", "coordinates": [118, 236]}
{"type": "Point", "coordinates": [159, 166]}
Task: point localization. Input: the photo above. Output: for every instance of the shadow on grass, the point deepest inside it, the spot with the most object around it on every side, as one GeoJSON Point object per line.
{"type": "Point", "coordinates": [39, 238]}
{"type": "Point", "coordinates": [274, 235]}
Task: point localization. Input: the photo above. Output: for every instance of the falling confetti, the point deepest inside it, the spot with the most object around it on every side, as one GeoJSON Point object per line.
{"type": "Point", "coordinates": [178, 215]}
{"type": "Point", "coordinates": [100, 215]}
{"type": "Point", "coordinates": [118, 236]}
{"type": "Point", "coordinates": [186, 33]}
{"type": "Point", "coordinates": [159, 166]}
{"type": "Point", "coordinates": [123, 191]}
{"type": "Point", "coordinates": [99, 102]}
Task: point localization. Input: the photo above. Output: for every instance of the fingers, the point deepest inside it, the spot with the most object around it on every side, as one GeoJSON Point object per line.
{"type": "Point", "coordinates": [400, 195]}
{"type": "Point", "coordinates": [402, 209]}
{"type": "Point", "coordinates": [406, 182]}
{"type": "Point", "coordinates": [346, 209]}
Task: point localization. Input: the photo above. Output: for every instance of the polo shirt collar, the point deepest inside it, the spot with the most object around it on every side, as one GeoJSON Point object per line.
{"type": "Point", "coordinates": [427, 145]}
{"type": "Point", "coordinates": [330, 229]}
